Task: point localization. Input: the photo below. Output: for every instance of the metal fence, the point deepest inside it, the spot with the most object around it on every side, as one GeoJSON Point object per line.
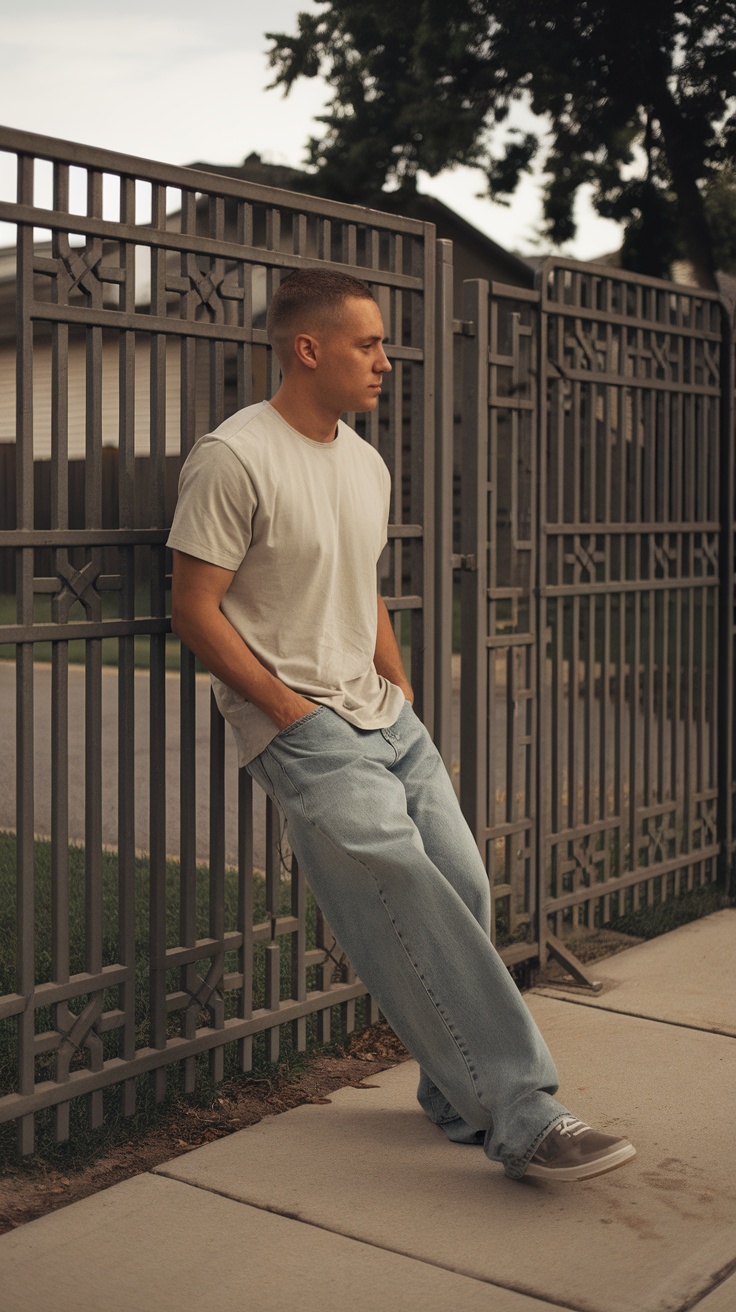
{"type": "Point", "coordinates": [596, 579]}
{"type": "Point", "coordinates": [598, 596]}
{"type": "Point", "coordinates": [123, 266]}
{"type": "Point", "coordinates": [76, 478]}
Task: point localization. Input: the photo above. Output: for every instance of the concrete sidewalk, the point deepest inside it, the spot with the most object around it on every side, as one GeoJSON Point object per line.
{"type": "Point", "coordinates": [362, 1204]}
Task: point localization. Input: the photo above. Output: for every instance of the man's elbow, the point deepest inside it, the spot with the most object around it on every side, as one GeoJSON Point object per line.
{"type": "Point", "coordinates": [181, 619]}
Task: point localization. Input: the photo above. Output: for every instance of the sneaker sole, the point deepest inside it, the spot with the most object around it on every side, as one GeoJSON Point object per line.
{"type": "Point", "coordinates": [585, 1170]}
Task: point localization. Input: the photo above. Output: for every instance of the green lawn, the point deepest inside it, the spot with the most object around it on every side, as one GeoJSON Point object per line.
{"type": "Point", "coordinates": [85, 1143]}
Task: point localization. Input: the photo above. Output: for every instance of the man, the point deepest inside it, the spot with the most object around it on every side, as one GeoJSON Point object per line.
{"type": "Point", "coordinates": [282, 516]}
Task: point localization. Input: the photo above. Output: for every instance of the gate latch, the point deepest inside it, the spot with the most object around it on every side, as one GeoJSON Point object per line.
{"type": "Point", "coordinates": [469, 563]}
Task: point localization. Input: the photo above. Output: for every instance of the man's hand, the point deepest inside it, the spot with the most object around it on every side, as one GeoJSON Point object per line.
{"type": "Point", "coordinates": [296, 709]}
{"type": "Point", "coordinates": [387, 657]}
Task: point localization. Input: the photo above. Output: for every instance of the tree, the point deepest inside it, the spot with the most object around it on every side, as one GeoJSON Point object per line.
{"type": "Point", "coordinates": [634, 98]}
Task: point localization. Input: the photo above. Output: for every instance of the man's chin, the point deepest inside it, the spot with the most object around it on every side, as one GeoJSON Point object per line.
{"type": "Point", "coordinates": [357, 407]}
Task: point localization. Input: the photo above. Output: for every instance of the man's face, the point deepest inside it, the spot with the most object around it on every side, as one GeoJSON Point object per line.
{"type": "Point", "coordinates": [351, 358]}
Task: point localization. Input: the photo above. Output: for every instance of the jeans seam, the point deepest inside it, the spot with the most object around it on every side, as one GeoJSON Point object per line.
{"type": "Point", "coordinates": [392, 741]}
{"type": "Point", "coordinates": [296, 724]}
{"type": "Point", "coordinates": [262, 761]}
{"type": "Point", "coordinates": [293, 787]}
{"type": "Point", "coordinates": [455, 1036]}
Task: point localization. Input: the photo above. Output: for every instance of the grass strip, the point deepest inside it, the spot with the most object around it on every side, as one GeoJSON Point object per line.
{"type": "Point", "coordinates": [84, 1143]}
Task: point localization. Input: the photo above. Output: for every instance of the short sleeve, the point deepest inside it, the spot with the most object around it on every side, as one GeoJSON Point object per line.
{"type": "Point", "coordinates": [217, 501]}
{"type": "Point", "coordinates": [386, 491]}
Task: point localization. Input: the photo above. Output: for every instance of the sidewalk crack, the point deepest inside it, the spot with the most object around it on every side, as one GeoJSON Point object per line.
{"type": "Point", "coordinates": [544, 1300]}
{"type": "Point", "coordinates": [635, 1015]}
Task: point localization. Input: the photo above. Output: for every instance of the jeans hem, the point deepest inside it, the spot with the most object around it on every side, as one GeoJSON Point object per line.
{"type": "Point", "coordinates": [517, 1166]}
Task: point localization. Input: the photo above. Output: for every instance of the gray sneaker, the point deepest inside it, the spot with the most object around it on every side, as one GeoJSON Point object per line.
{"type": "Point", "coordinates": [572, 1151]}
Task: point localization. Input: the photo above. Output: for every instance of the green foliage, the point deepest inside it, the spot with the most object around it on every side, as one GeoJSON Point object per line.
{"type": "Point", "coordinates": [720, 205]}
{"type": "Point", "coordinates": [660, 917]}
{"type": "Point", "coordinates": [636, 100]}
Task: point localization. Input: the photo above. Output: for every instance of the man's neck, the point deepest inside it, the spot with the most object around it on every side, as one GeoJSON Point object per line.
{"type": "Point", "coordinates": [301, 413]}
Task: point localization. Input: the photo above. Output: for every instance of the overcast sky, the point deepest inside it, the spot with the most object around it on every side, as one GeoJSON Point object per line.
{"type": "Point", "coordinates": [182, 80]}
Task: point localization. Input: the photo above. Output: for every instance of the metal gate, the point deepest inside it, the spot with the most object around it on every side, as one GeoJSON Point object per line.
{"type": "Point", "coordinates": [140, 293]}
{"type": "Point", "coordinates": [597, 584]}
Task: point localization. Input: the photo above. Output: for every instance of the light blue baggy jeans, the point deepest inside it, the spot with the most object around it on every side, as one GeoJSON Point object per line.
{"type": "Point", "coordinates": [373, 819]}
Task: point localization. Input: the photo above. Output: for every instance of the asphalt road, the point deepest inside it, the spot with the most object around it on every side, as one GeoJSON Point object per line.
{"type": "Point", "coordinates": [42, 706]}
{"type": "Point", "coordinates": [42, 757]}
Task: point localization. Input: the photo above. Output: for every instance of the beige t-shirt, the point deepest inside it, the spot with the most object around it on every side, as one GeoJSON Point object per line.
{"type": "Point", "coordinates": [302, 523]}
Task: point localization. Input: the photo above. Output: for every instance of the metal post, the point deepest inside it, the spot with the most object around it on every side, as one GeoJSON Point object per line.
{"type": "Point", "coordinates": [474, 576]}
{"type": "Point", "coordinates": [443, 409]}
{"type": "Point", "coordinates": [726, 618]}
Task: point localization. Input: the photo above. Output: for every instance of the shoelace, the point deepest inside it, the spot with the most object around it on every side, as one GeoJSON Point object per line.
{"type": "Point", "coordinates": [571, 1126]}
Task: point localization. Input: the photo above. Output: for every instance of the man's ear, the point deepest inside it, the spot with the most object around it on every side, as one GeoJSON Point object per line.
{"type": "Point", "coordinates": [305, 350]}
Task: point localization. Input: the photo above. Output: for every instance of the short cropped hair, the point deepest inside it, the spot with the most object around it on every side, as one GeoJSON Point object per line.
{"type": "Point", "coordinates": [308, 297]}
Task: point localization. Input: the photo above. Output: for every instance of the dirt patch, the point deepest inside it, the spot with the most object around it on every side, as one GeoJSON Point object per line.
{"type": "Point", "coordinates": [27, 1193]}
{"type": "Point", "coordinates": [588, 945]}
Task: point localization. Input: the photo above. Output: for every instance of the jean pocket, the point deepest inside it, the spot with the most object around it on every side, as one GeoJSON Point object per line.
{"type": "Point", "coordinates": [297, 724]}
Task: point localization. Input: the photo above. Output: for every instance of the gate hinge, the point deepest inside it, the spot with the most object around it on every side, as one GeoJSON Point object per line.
{"type": "Point", "coordinates": [469, 563]}
{"type": "Point", "coordinates": [463, 327]}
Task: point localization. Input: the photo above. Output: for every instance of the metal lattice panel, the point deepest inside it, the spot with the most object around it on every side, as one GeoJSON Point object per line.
{"type": "Point", "coordinates": [629, 587]}
{"type": "Point", "coordinates": [140, 308]}
{"type": "Point", "coordinates": [499, 675]}
{"type": "Point", "coordinates": [597, 596]}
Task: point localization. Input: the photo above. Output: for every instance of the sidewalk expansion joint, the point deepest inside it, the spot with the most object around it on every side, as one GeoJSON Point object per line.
{"type": "Point", "coordinates": [635, 1015]}
{"type": "Point", "coordinates": [717, 1279]}
{"type": "Point", "coordinates": [543, 1299]}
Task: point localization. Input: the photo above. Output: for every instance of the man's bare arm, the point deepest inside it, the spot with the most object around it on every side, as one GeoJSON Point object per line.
{"type": "Point", "coordinates": [387, 657]}
{"type": "Point", "coordinates": [196, 592]}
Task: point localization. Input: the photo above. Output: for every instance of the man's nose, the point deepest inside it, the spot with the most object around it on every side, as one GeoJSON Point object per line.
{"type": "Point", "coordinates": [383, 364]}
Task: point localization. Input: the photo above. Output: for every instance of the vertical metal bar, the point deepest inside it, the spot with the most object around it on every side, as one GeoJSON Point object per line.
{"type": "Point", "coordinates": [188, 844]}
{"type": "Point", "coordinates": [474, 710]}
{"type": "Point", "coordinates": [188, 691]}
{"type": "Point", "coordinates": [273, 897]}
{"type": "Point", "coordinates": [60, 671]}
{"type": "Point", "coordinates": [726, 606]}
{"type": "Point", "coordinates": [273, 997]}
{"type": "Point", "coordinates": [425, 439]}
{"type": "Point", "coordinates": [245, 910]}
{"type": "Point", "coordinates": [93, 655]}
{"type": "Point", "coordinates": [324, 976]}
{"type": "Point", "coordinates": [244, 274]}
{"type": "Point", "coordinates": [126, 650]}
{"type": "Point", "coordinates": [546, 779]}
{"type": "Point", "coordinates": [217, 878]}
{"type": "Point", "coordinates": [157, 667]}
{"type": "Point", "coordinates": [444, 427]}
{"type": "Point", "coordinates": [298, 952]}
{"type": "Point", "coordinates": [273, 861]}
{"type": "Point", "coordinates": [217, 725]}
{"type": "Point", "coordinates": [534, 658]}
{"type": "Point", "coordinates": [25, 891]}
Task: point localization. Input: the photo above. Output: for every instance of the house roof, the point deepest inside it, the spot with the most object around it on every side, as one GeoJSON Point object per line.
{"type": "Point", "coordinates": [417, 205]}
